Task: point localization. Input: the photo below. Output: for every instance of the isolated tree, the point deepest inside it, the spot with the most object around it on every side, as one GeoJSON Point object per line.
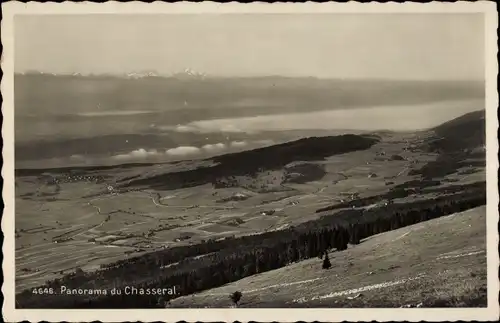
{"type": "Point", "coordinates": [235, 297]}
{"type": "Point", "coordinates": [353, 235]}
{"type": "Point", "coordinates": [326, 262]}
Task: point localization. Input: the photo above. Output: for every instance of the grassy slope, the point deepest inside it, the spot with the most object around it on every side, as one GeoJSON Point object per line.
{"type": "Point", "coordinates": [449, 252]}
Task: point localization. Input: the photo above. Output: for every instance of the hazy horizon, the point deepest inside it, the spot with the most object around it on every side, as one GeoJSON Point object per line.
{"type": "Point", "coordinates": [173, 75]}
{"type": "Point", "coordinates": [331, 46]}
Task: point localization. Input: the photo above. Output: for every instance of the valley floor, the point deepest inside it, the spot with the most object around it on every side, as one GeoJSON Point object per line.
{"type": "Point", "coordinates": [70, 220]}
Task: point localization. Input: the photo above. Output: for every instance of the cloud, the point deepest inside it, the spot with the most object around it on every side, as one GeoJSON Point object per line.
{"type": "Point", "coordinates": [178, 128]}
{"type": "Point", "coordinates": [140, 153]}
{"type": "Point", "coordinates": [202, 127]}
{"type": "Point", "coordinates": [230, 128]}
{"type": "Point", "coordinates": [185, 128]}
{"type": "Point", "coordinates": [214, 147]}
{"type": "Point", "coordinates": [238, 144]}
{"type": "Point", "coordinates": [183, 151]}
{"type": "Point", "coordinates": [77, 157]}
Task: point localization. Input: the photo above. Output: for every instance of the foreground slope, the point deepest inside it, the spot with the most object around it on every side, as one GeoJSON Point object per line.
{"type": "Point", "coordinates": [441, 262]}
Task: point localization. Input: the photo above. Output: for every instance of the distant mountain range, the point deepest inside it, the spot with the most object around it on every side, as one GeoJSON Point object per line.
{"type": "Point", "coordinates": [186, 73]}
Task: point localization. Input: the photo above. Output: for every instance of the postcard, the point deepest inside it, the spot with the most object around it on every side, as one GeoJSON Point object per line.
{"type": "Point", "coordinates": [250, 162]}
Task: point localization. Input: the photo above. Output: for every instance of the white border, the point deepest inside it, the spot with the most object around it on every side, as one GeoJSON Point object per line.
{"type": "Point", "coordinates": [11, 314]}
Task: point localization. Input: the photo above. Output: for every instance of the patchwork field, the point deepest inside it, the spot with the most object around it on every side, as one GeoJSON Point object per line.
{"type": "Point", "coordinates": [82, 219]}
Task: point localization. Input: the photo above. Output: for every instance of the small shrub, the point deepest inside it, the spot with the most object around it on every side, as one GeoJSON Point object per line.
{"type": "Point", "coordinates": [235, 297]}
{"type": "Point", "coordinates": [326, 262]}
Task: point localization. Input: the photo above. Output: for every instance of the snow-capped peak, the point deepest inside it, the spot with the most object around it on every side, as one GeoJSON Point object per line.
{"type": "Point", "coordinates": [189, 73]}
{"type": "Point", "coordinates": [141, 74]}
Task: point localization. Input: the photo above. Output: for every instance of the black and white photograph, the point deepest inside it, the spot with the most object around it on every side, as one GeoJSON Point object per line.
{"type": "Point", "coordinates": [232, 158]}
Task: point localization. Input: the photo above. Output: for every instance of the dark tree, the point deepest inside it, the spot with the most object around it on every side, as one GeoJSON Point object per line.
{"type": "Point", "coordinates": [326, 262]}
{"type": "Point", "coordinates": [235, 297]}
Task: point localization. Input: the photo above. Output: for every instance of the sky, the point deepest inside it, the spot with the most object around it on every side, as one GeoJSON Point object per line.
{"type": "Point", "coordinates": [359, 46]}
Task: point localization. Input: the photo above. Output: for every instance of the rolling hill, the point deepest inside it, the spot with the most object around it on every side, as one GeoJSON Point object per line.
{"type": "Point", "coordinates": [459, 143]}
{"type": "Point", "coordinates": [463, 133]}
{"type": "Point", "coordinates": [269, 158]}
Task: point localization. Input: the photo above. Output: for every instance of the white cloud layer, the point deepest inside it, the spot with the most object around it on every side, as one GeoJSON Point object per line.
{"type": "Point", "coordinates": [184, 151]}
{"type": "Point", "coordinates": [138, 154]}
{"type": "Point", "coordinates": [238, 144]}
{"type": "Point", "coordinates": [215, 147]}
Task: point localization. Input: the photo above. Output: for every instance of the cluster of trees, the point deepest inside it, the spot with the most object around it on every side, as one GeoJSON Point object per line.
{"type": "Point", "coordinates": [236, 258]}
{"type": "Point", "coordinates": [465, 132]}
{"type": "Point", "coordinates": [447, 164]}
{"type": "Point", "coordinates": [456, 142]}
{"type": "Point", "coordinates": [405, 190]}
{"type": "Point", "coordinates": [270, 158]}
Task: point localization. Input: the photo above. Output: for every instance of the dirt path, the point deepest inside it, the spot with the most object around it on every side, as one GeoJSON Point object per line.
{"type": "Point", "coordinates": [360, 289]}
{"type": "Point", "coordinates": [401, 236]}
{"type": "Point", "coordinates": [461, 255]}
{"type": "Point", "coordinates": [273, 286]}
{"type": "Point", "coordinates": [157, 202]}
